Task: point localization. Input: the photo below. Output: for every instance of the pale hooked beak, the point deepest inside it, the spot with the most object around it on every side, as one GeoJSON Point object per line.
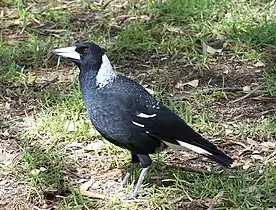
{"type": "Point", "coordinates": [67, 52]}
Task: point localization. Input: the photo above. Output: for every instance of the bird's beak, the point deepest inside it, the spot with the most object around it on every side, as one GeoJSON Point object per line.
{"type": "Point", "coordinates": [67, 52]}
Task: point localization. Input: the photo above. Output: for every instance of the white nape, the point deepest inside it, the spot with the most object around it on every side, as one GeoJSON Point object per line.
{"type": "Point", "coordinates": [188, 146]}
{"type": "Point", "coordinates": [138, 124]}
{"type": "Point", "coordinates": [142, 115]}
{"type": "Point", "coordinates": [106, 74]}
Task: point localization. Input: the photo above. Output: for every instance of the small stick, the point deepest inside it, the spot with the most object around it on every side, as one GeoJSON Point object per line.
{"type": "Point", "coordinates": [207, 91]}
{"type": "Point", "coordinates": [90, 194]}
{"type": "Point", "coordinates": [48, 83]}
{"type": "Point", "coordinates": [247, 95]}
{"type": "Point", "coordinates": [17, 37]}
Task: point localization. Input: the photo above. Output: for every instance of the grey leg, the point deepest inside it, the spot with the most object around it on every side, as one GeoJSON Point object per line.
{"type": "Point", "coordinates": [124, 181]}
{"type": "Point", "coordinates": [140, 181]}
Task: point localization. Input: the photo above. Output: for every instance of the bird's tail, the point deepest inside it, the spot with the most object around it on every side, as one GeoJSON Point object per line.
{"type": "Point", "coordinates": [206, 148]}
{"type": "Point", "coordinates": [220, 157]}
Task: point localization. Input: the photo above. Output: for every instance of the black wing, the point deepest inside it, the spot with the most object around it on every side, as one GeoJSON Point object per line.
{"type": "Point", "coordinates": [150, 117]}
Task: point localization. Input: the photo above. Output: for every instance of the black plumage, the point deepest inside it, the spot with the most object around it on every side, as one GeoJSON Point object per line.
{"type": "Point", "coordinates": [125, 114]}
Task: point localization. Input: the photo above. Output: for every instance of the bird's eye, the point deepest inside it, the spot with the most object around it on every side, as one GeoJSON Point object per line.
{"type": "Point", "coordinates": [86, 50]}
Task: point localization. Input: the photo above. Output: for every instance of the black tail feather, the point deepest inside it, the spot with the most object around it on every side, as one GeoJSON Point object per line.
{"type": "Point", "coordinates": [221, 158]}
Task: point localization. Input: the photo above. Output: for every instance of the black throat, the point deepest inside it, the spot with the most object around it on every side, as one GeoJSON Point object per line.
{"type": "Point", "coordinates": [89, 68]}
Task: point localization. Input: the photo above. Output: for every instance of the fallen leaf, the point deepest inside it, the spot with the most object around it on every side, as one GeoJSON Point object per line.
{"type": "Point", "coordinates": [42, 169]}
{"type": "Point", "coordinates": [246, 165]}
{"type": "Point", "coordinates": [35, 171]}
{"type": "Point", "coordinates": [252, 142]}
{"type": "Point", "coordinates": [193, 83]}
{"type": "Point", "coordinates": [75, 144]}
{"type": "Point", "coordinates": [259, 64]}
{"type": "Point", "coordinates": [220, 37]}
{"type": "Point", "coordinates": [3, 157]}
{"type": "Point", "coordinates": [266, 146]}
{"type": "Point", "coordinates": [94, 146]}
{"type": "Point", "coordinates": [257, 157]}
{"type": "Point", "coordinates": [246, 88]}
{"type": "Point", "coordinates": [176, 30]}
{"type": "Point", "coordinates": [90, 194]}
{"type": "Point", "coordinates": [228, 131]}
{"type": "Point", "coordinates": [179, 85]}
{"type": "Point", "coordinates": [70, 126]}
{"type": "Point", "coordinates": [209, 49]}
{"type": "Point", "coordinates": [86, 185]}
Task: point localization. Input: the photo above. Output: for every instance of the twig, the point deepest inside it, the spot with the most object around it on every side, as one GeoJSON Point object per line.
{"type": "Point", "coordinates": [17, 37]}
{"type": "Point", "coordinates": [271, 155]}
{"type": "Point", "coordinates": [188, 196]}
{"type": "Point", "coordinates": [207, 91]}
{"type": "Point", "coordinates": [33, 207]}
{"type": "Point", "coordinates": [263, 98]}
{"type": "Point", "coordinates": [201, 171]}
{"type": "Point", "coordinates": [48, 83]}
{"type": "Point", "coordinates": [107, 3]}
{"type": "Point", "coordinates": [90, 194]}
{"type": "Point", "coordinates": [247, 95]}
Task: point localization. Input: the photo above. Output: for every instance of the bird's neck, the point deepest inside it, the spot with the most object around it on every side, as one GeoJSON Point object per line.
{"type": "Point", "coordinates": [97, 75]}
{"type": "Point", "coordinates": [106, 74]}
{"type": "Point", "coordinates": [87, 79]}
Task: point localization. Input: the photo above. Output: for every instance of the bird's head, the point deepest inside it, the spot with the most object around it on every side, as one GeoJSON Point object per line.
{"type": "Point", "coordinates": [84, 54]}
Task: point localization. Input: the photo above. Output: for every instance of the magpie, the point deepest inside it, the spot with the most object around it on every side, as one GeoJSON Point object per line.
{"type": "Point", "coordinates": [126, 115]}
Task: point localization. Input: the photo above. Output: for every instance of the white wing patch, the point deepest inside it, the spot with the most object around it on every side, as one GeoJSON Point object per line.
{"type": "Point", "coordinates": [138, 124]}
{"type": "Point", "coordinates": [142, 115]}
{"type": "Point", "coordinates": [106, 74]}
{"type": "Point", "coordinates": [194, 148]}
{"type": "Point", "coordinates": [188, 146]}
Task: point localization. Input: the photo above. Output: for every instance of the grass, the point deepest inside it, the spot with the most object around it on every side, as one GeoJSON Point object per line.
{"type": "Point", "coordinates": [175, 28]}
{"type": "Point", "coordinates": [43, 167]}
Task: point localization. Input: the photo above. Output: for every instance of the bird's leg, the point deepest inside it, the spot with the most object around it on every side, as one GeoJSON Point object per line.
{"type": "Point", "coordinates": [146, 162]}
{"type": "Point", "coordinates": [135, 161]}
{"type": "Point", "coordinates": [140, 181]}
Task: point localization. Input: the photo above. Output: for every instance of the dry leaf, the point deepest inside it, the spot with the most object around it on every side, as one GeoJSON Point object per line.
{"type": "Point", "coordinates": [179, 85]}
{"type": "Point", "coordinates": [176, 30]}
{"type": "Point", "coordinates": [86, 185]}
{"type": "Point", "coordinates": [75, 144]}
{"type": "Point", "coordinates": [246, 165]}
{"type": "Point", "coordinates": [252, 142]}
{"type": "Point", "coordinates": [209, 49]}
{"type": "Point", "coordinates": [3, 157]}
{"type": "Point", "coordinates": [90, 194]}
{"type": "Point", "coordinates": [70, 126]}
{"type": "Point", "coordinates": [228, 131]}
{"type": "Point", "coordinates": [193, 83]}
{"type": "Point", "coordinates": [94, 146]}
{"type": "Point", "coordinates": [269, 144]}
{"type": "Point", "coordinates": [259, 64]}
{"type": "Point", "coordinates": [246, 88]}
{"type": "Point", "coordinates": [257, 157]}
{"type": "Point", "coordinates": [266, 146]}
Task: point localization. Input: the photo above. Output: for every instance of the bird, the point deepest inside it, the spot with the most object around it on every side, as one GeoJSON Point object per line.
{"type": "Point", "coordinates": [127, 115]}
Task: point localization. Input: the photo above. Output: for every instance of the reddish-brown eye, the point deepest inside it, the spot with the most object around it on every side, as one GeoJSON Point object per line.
{"type": "Point", "coordinates": [86, 50]}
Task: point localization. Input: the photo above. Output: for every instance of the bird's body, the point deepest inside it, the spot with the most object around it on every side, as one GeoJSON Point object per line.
{"type": "Point", "coordinates": [125, 114]}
